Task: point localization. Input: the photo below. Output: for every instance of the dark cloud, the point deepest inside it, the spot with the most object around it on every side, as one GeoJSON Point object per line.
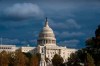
{"type": "Point", "coordinates": [70, 43]}
{"type": "Point", "coordinates": [68, 24]}
{"type": "Point", "coordinates": [71, 34]}
{"type": "Point", "coordinates": [10, 41]}
{"type": "Point", "coordinates": [18, 42]}
{"type": "Point", "coordinates": [20, 11]}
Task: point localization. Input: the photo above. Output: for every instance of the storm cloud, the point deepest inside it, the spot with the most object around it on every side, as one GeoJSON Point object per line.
{"type": "Point", "coordinates": [71, 20]}
{"type": "Point", "coordinates": [22, 11]}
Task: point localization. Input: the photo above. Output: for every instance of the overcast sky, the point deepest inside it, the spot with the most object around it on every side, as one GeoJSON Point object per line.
{"type": "Point", "coordinates": [73, 21]}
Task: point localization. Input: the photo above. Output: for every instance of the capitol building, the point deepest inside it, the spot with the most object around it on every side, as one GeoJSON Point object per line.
{"type": "Point", "coordinates": [47, 46]}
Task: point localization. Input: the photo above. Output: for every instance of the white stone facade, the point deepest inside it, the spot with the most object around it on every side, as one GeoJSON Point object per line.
{"type": "Point", "coordinates": [47, 44]}
{"type": "Point", "coordinates": [50, 51]}
{"type": "Point", "coordinates": [28, 49]}
{"type": "Point", "coordinates": [8, 48]}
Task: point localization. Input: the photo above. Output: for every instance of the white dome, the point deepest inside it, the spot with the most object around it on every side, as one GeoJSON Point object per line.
{"type": "Point", "coordinates": [46, 36]}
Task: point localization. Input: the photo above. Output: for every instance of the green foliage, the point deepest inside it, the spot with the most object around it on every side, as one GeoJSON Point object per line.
{"type": "Point", "coordinates": [90, 60]}
{"type": "Point", "coordinates": [97, 32]}
{"type": "Point", "coordinates": [90, 42]}
{"type": "Point", "coordinates": [57, 60]}
{"type": "Point", "coordinates": [94, 47]}
{"type": "Point", "coordinates": [94, 42]}
{"type": "Point", "coordinates": [73, 60]}
{"type": "Point", "coordinates": [28, 55]}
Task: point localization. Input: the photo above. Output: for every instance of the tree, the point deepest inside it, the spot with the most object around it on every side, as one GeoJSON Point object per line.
{"type": "Point", "coordinates": [94, 42]}
{"type": "Point", "coordinates": [20, 59]}
{"type": "Point", "coordinates": [57, 60]}
{"type": "Point", "coordinates": [35, 60]}
{"type": "Point", "coordinates": [90, 42]}
{"type": "Point", "coordinates": [11, 57]}
{"type": "Point", "coordinates": [28, 55]}
{"type": "Point", "coordinates": [90, 56]}
{"type": "Point", "coordinates": [89, 60]}
{"type": "Point", "coordinates": [4, 59]}
{"type": "Point", "coordinates": [97, 31]}
{"type": "Point", "coordinates": [73, 60]}
{"type": "Point", "coordinates": [93, 46]}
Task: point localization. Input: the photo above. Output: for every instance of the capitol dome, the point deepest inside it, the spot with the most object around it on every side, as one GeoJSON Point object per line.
{"type": "Point", "coordinates": [46, 36]}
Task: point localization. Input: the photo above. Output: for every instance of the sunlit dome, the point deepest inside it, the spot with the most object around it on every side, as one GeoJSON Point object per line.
{"type": "Point", "coordinates": [46, 36]}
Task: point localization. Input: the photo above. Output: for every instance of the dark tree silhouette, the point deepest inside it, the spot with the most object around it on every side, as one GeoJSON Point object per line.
{"type": "Point", "coordinates": [57, 60]}
{"type": "Point", "coordinates": [90, 60]}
